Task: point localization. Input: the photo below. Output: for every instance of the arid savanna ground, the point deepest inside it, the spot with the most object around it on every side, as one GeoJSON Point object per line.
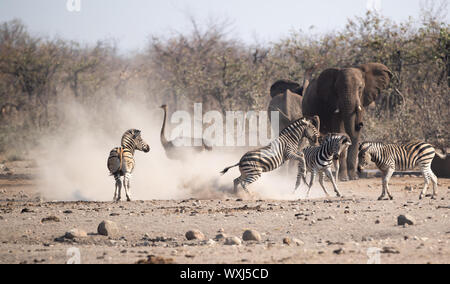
{"type": "Point", "coordinates": [320, 230]}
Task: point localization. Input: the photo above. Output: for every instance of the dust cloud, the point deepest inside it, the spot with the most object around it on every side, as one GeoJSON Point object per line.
{"type": "Point", "coordinates": [72, 161]}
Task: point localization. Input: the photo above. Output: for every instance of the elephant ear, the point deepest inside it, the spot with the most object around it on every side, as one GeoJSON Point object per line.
{"type": "Point", "coordinates": [281, 86]}
{"type": "Point", "coordinates": [326, 88]}
{"type": "Point", "coordinates": [377, 78]}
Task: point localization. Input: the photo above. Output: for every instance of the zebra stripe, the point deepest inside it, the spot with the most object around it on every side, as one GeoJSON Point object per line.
{"type": "Point", "coordinates": [271, 157]}
{"type": "Point", "coordinates": [391, 157]}
{"type": "Point", "coordinates": [121, 160]}
{"type": "Point", "coordinates": [318, 160]}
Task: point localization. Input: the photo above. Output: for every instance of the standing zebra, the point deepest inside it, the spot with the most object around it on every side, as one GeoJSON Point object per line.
{"type": "Point", "coordinates": [121, 160]}
{"type": "Point", "coordinates": [318, 160]}
{"type": "Point", "coordinates": [271, 157]}
{"type": "Point", "coordinates": [391, 157]}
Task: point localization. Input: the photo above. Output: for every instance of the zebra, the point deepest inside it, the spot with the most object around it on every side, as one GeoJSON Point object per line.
{"type": "Point", "coordinates": [318, 160]}
{"type": "Point", "coordinates": [121, 160]}
{"type": "Point", "coordinates": [271, 157]}
{"type": "Point", "coordinates": [391, 157]}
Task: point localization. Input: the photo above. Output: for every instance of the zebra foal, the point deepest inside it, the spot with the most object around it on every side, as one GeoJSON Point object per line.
{"type": "Point", "coordinates": [319, 159]}
{"type": "Point", "coordinates": [121, 160]}
{"type": "Point", "coordinates": [271, 157]}
{"type": "Point", "coordinates": [400, 157]}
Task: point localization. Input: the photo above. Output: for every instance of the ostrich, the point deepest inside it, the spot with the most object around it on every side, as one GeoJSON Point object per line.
{"type": "Point", "coordinates": [174, 152]}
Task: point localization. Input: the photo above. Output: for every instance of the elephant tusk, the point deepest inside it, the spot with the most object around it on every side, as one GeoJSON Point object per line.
{"type": "Point", "coordinates": [359, 108]}
{"type": "Point", "coordinates": [337, 111]}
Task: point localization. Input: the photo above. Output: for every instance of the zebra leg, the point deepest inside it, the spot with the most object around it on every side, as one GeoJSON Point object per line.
{"type": "Point", "coordinates": [313, 176]}
{"type": "Point", "coordinates": [118, 188]}
{"type": "Point", "coordinates": [428, 174]}
{"type": "Point", "coordinates": [236, 183]}
{"type": "Point", "coordinates": [301, 173]}
{"type": "Point", "coordinates": [426, 177]}
{"type": "Point", "coordinates": [249, 180]}
{"type": "Point", "coordinates": [126, 185]}
{"type": "Point", "coordinates": [321, 176]}
{"type": "Point", "coordinates": [336, 168]}
{"type": "Point", "coordinates": [333, 181]}
{"type": "Point", "coordinates": [435, 185]}
{"type": "Point", "coordinates": [387, 176]}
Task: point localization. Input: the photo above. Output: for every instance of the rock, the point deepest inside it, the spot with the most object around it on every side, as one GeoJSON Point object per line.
{"type": "Point", "coordinates": [75, 233]}
{"type": "Point", "coordinates": [26, 210]}
{"type": "Point", "coordinates": [221, 236]}
{"type": "Point", "coordinates": [298, 242]}
{"type": "Point", "coordinates": [287, 241]}
{"type": "Point", "coordinates": [251, 235]}
{"type": "Point", "coordinates": [338, 251]}
{"type": "Point", "coordinates": [390, 250]}
{"type": "Point", "coordinates": [195, 235]}
{"type": "Point", "coordinates": [50, 219]}
{"type": "Point", "coordinates": [367, 239]}
{"type": "Point", "coordinates": [108, 228]}
{"type": "Point", "coordinates": [233, 241]}
{"type": "Point", "coordinates": [406, 219]}
{"type": "Point", "coordinates": [152, 259]}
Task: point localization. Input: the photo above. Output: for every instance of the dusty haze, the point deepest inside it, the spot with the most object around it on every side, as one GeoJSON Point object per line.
{"type": "Point", "coordinates": [73, 161]}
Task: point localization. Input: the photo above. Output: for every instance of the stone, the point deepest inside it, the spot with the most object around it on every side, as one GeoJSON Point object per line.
{"type": "Point", "coordinates": [298, 242]}
{"type": "Point", "coordinates": [251, 235]}
{"type": "Point", "coordinates": [75, 233]}
{"type": "Point", "coordinates": [50, 219]}
{"type": "Point", "coordinates": [287, 241]}
{"type": "Point", "coordinates": [194, 235]}
{"type": "Point", "coordinates": [406, 219]}
{"type": "Point", "coordinates": [221, 236]}
{"type": "Point", "coordinates": [233, 241]}
{"type": "Point", "coordinates": [108, 228]}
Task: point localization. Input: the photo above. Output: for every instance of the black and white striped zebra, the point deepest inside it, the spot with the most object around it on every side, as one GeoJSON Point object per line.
{"type": "Point", "coordinates": [391, 157]}
{"type": "Point", "coordinates": [121, 160]}
{"type": "Point", "coordinates": [271, 157]}
{"type": "Point", "coordinates": [319, 159]}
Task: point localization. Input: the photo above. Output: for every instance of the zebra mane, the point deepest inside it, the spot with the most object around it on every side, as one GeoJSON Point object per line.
{"type": "Point", "coordinates": [299, 122]}
{"type": "Point", "coordinates": [371, 144]}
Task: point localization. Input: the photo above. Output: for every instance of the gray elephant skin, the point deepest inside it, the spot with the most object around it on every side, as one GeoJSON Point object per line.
{"type": "Point", "coordinates": [338, 97]}
{"type": "Point", "coordinates": [287, 101]}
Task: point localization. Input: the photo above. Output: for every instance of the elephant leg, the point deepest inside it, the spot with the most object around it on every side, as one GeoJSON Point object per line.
{"type": "Point", "coordinates": [342, 169]}
{"type": "Point", "coordinates": [351, 160]}
{"type": "Point", "coordinates": [352, 152]}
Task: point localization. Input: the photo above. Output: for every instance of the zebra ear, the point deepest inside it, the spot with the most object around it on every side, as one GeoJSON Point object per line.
{"type": "Point", "coordinates": [360, 146]}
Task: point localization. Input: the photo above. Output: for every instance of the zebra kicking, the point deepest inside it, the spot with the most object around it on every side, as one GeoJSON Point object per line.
{"type": "Point", "coordinates": [401, 157]}
{"type": "Point", "coordinates": [318, 160]}
{"type": "Point", "coordinates": [271, 157]}
{"type": "Point", "coordinates": [121, 160]}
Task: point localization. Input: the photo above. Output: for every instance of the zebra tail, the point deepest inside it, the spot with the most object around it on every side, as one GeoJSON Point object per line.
{"type": "Point", "coordinates": [226, 169]}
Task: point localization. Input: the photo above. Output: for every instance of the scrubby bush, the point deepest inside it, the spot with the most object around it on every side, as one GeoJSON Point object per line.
{"type": "Point", "coordinates": [208, 66]}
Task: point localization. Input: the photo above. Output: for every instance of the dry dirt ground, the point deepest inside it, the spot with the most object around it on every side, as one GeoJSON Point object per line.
{"type": "Point", "coordinates": [330, 230]}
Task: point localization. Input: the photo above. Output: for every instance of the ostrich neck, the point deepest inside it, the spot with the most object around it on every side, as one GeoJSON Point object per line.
{"type": "Point", "coordinates": [163, 129]}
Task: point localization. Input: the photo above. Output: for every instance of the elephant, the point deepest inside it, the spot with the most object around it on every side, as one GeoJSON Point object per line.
{"type": "Point", "coordinates": [338, 97]}
{"type": "Point", "coordinates": [287, 100]}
